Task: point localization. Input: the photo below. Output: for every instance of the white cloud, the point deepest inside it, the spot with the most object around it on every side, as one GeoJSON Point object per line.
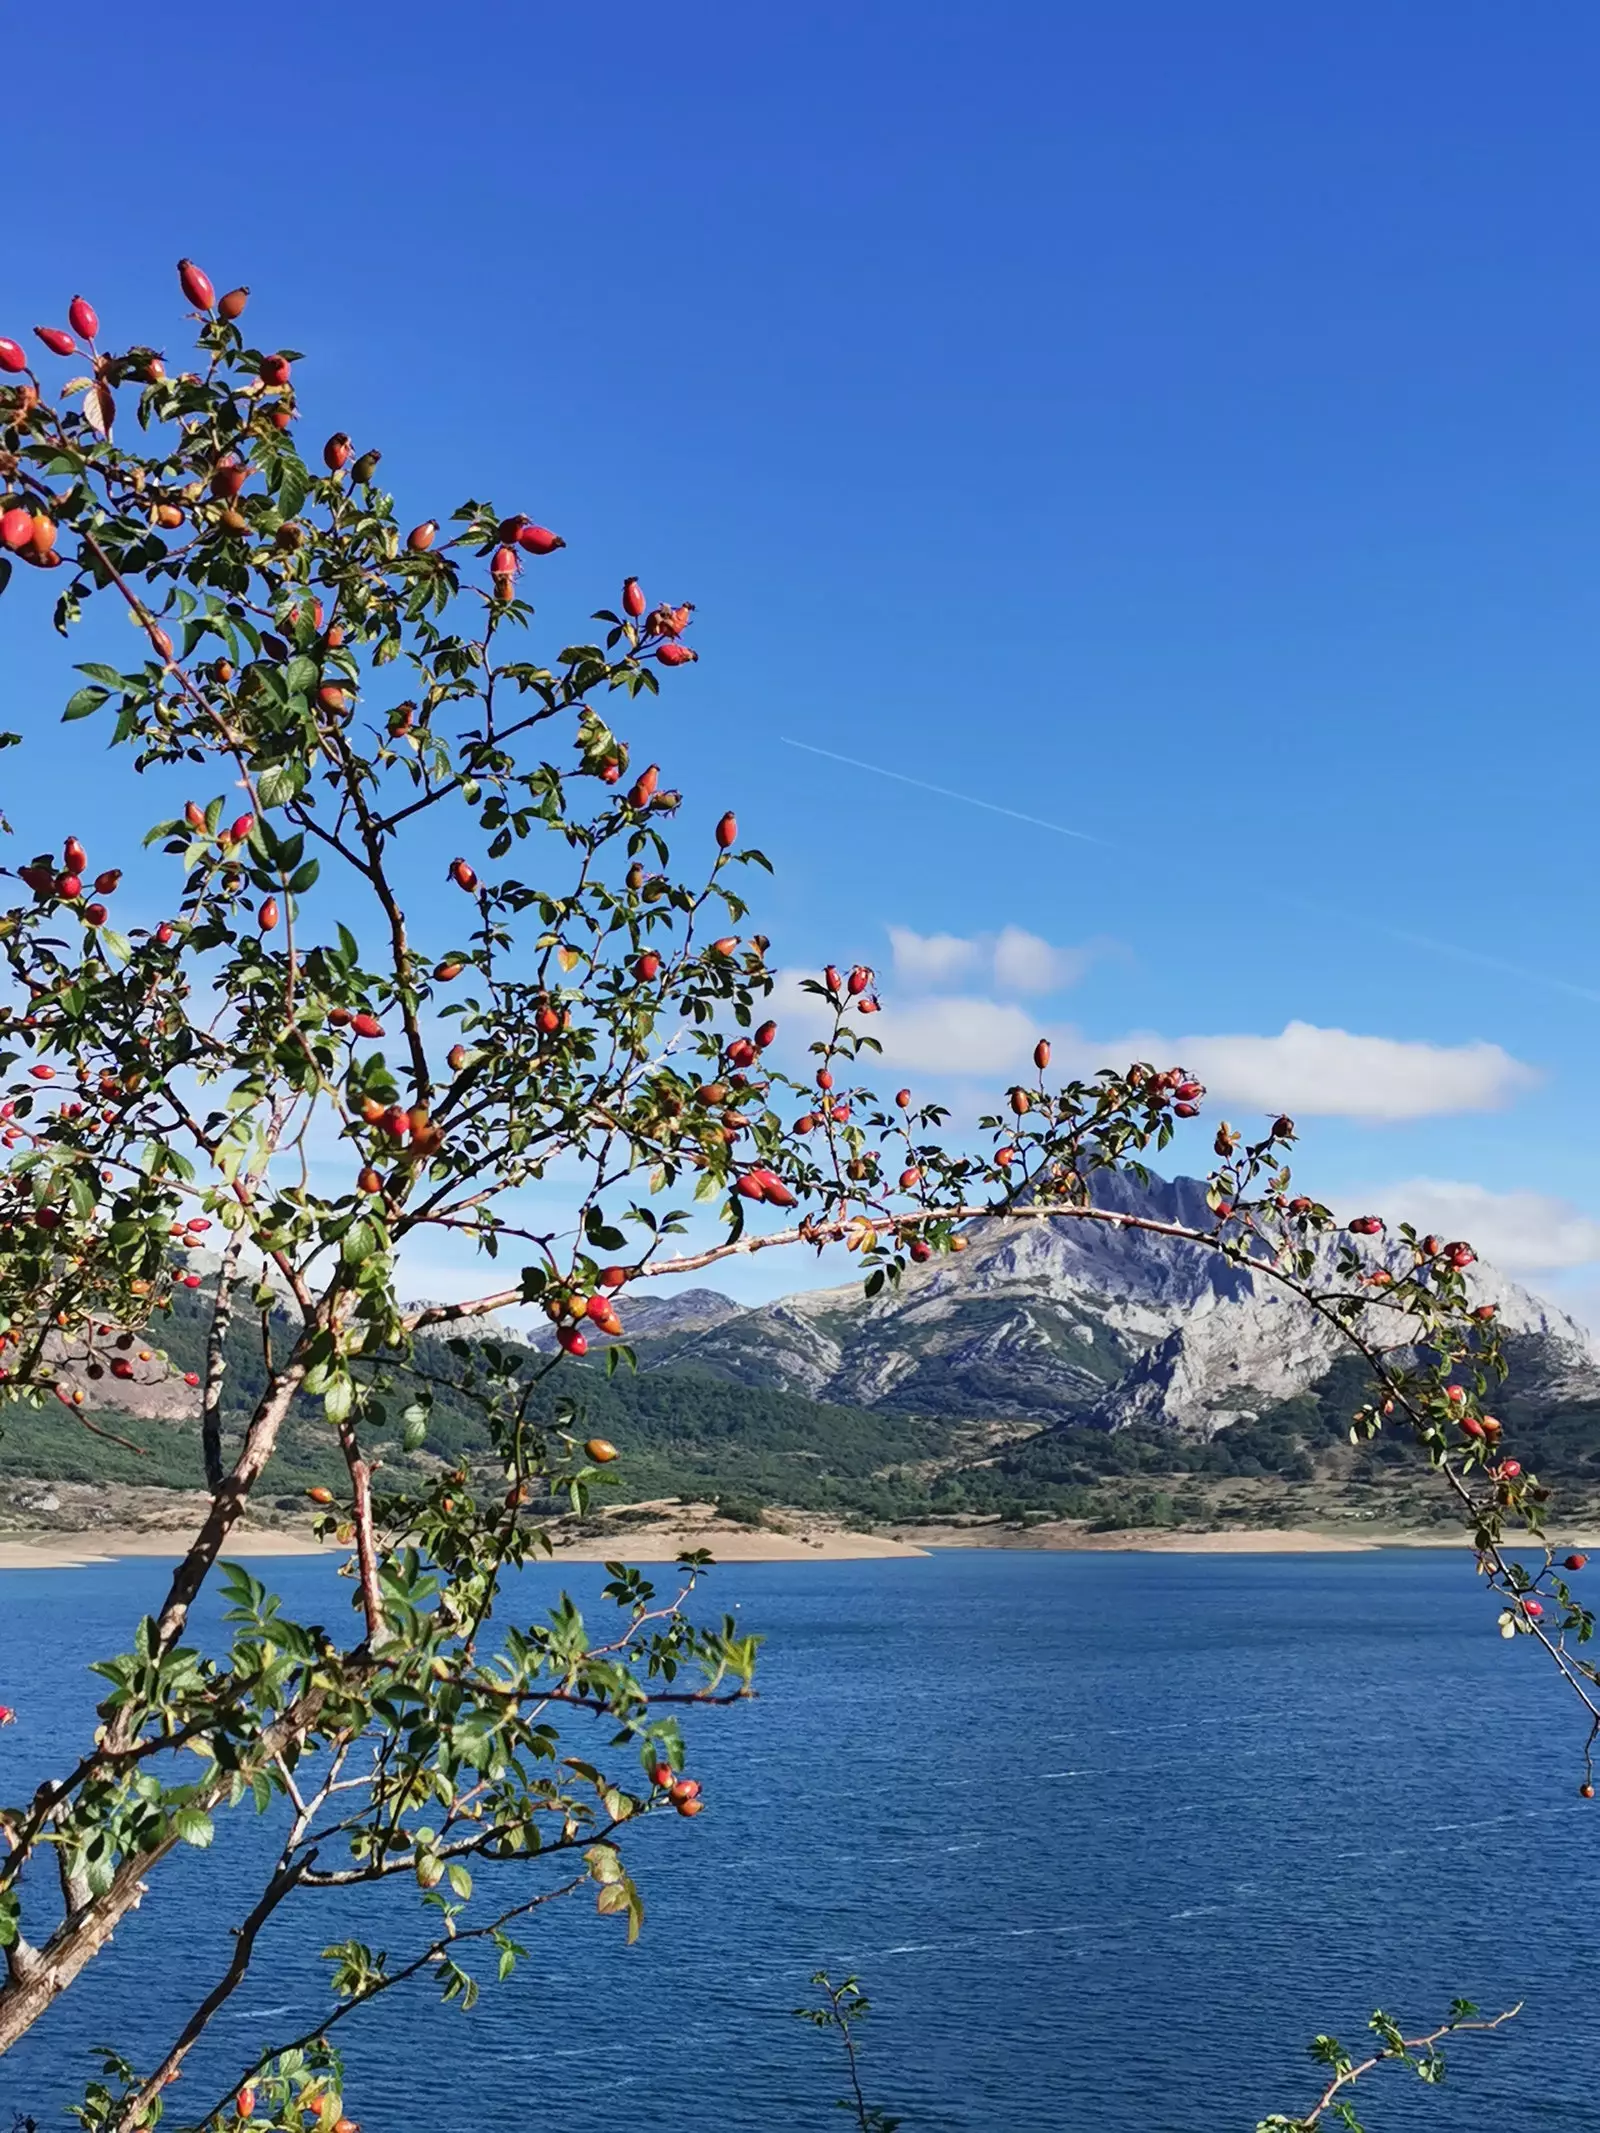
{"type": "Point", "coordinates": [1523, 1232]}
{"type": "Point", "coordinates": [1332, 1073]}
{"type": "Point", "coordinates": [1025, 963]}
{"type": "Point", "coordinates": [956, 1035]}
{"type": "Point", "coordinates": [1305, 1070]}
{"type": "Point", "coordinates": [1017, 961]}
{"type": "Point", "coordinates": [932, 959]}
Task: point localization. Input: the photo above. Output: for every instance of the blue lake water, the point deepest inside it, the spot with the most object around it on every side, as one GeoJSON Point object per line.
{"type": "Point", "coordinates": [1109, 1838]}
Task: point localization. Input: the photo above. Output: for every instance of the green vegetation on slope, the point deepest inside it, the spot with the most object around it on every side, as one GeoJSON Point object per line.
{"type": "Point", "coordinates": [689, 1433]}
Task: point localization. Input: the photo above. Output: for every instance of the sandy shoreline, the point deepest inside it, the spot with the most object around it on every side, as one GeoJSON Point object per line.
{"type": "Point", "coordinates": [810, 1543]}
{"type": "Point", "coordinates": [69, 1551]}
{"type": "Point", "coordinates": [646, 1544]}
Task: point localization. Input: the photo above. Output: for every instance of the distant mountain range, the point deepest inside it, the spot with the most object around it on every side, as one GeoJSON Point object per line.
{"type": "Point", "coordinates": [1054, 1369]}
{"type": "Point", "coordinates": [1069, 1322]}
{"type": "Point", "coordinates": [1037, 1322]}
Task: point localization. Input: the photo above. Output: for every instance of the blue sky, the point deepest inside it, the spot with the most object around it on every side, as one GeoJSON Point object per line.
{"type": "Point", "coordinates": [1174, 424]}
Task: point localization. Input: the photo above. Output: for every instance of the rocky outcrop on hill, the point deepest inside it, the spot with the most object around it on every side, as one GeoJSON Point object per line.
{"type": "Point", "coordinates": [1083, 1321]}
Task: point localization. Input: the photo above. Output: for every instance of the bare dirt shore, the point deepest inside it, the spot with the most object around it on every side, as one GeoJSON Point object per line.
{"type": "Point", "coordinates": [791, 1537]}
{"type": "Point", "coordinates": [730, 1544]}
{"type": "Point", "coordinates": [674, 1530]}
{"type": "Point", "coordinates": [666, 1540]}
{"type": "Point", "coordinates": [66, 1551]}
{"type": "Point", "coordinates": [1068, 1534]}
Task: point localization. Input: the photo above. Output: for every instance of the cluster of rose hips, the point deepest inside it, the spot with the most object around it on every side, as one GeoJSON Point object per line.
{"type": "Point", "coordinates": [765, 1185]}
{"type": "Point", "coordinates": [1526, 1611]}
{"type": "Point", "coordinates": [1173, 1084]}
{"type": "Point", "coordinates": [663, 621]}
{"type": "Point", "coordinates": [229, 841]}
{"type": "Point", "coordinates": [30, 534]}
{"type": "Point", "coordinates": [65, 882]}
{"type": "Point", "coordinates": [245, 2105]}
{"type": "Point", "coordinates": [852, 991]}
{"type": "Point", "coordinates": [122, 1364]}
{"type": "Point", "coordinates": [27, 531]}
{"type": "Point", "coordinates": [569, 1311]}
{"type": "Point", "coordinates": [412, 1130]}
{"type": "Point", "coordinates": [684, 1793]}
{"type": "Point", "coordinates": [512, 534]}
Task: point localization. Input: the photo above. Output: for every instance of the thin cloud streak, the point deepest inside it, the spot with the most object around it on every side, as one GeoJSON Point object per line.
{"type": "Point", "coordinates": [1493, 962]}
{"type": "Point", "coordinates": [1390, 933]}
{"type": "Point", "coordinates": [968, 799]}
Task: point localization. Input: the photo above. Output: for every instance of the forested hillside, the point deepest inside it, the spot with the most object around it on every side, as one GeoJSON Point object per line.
{"type": "Point", "coordinates": [686, 1432]}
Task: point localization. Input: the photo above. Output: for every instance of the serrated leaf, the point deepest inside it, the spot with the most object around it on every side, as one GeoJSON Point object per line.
{"type": "Point", "coordinates": [194, 1826]}
{"type": "Point", "coordinates": [82, 702]}
{"type": "Point", "coordinates": [294, 487]}
{"type": "Point", "coordinates": [279, 782]}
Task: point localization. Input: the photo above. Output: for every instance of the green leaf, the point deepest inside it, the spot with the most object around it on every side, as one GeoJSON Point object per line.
{"type": "Point", "coordinates": [82, 703]}
{"type": "Point", "coordinates": [339, 1398]}
{"type": "Point", "coordinates": [294, 487]}
{"type": "Point", "coordinates": [279, 782]}
{"type": "Point", "coordinates": [194, 1826]}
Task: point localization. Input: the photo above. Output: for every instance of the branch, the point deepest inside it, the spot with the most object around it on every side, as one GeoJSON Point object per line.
{"type": "Point", "coordinates": [245, 1935]}
{"type": "Point", "coordinates": [1399, 2050]}
{"type": "Point", "coordinates": [216, 1363]}
{"type": "Point", "coordinates": [229, 1502]}
{"type": "Point", "coordinates": [431, 1954]}
{"type": "Point", "coordinates": [366, 1548]}
{"type": "Point", "coordinates": [83, 1933]}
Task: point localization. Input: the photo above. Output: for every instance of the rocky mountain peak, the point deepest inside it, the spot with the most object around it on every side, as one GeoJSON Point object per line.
{"type": "Point", "coordinates": [1085, 1321]}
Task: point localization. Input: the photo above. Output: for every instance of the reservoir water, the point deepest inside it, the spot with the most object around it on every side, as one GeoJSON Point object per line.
{"type": "Point", "coordinates": [1109, 1838]}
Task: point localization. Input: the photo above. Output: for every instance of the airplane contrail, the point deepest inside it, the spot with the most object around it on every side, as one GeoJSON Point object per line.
{"type": "Point", "coordinates": [1060, 829]}
{"type": "Point", "coordinates": [968, 799]}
